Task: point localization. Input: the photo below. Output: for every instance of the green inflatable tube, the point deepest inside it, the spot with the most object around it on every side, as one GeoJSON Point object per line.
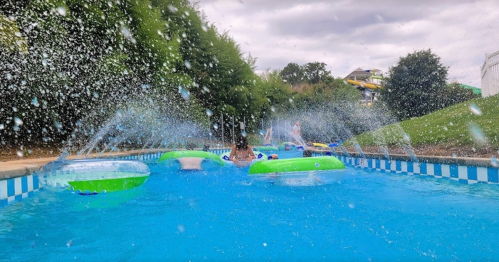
{"type": "Point", "coordinates": [190, 153]}
{"type": "Point", "coordinates": [108, 185]}
{"type": "Point", "coordinates": [296, 165]}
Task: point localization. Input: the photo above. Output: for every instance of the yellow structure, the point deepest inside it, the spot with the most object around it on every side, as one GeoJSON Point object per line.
{"type": "Point", "coordinates": [364, 84]}
{"type": "Point", "coordinates": [368, 82]}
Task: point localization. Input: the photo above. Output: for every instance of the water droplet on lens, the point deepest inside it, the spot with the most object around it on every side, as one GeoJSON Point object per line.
{"type": "Point", "coordinates": [18, 121]}
{"type": "Point", "coordinates": [127, 34]}
{"type": "Point", "coordinates": [379, 18]}
{"type": "Point", "coordinates": [185, 94]}
{"type": "Point", "coordinates": [475, 110]}
{"type": "Point", "coordinates": [35, 102]}
{"type": "Point", "coordinates": [172, 8]}
{"type": "Point", "coordinates": [61, 10]}
{"type": "Point", "coordinates": [493, 161]}
{"type": "Point", "coordinates": [477, 134]}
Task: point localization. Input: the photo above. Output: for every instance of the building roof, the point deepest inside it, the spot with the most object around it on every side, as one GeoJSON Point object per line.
{"type": "Point", "coordinates": [359, 73]}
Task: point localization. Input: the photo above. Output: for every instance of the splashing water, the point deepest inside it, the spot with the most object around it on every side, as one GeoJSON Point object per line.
{"type": "Point", "coordinates": [359, 149]}
{"type": "Point", "coordinates": [384, 150]}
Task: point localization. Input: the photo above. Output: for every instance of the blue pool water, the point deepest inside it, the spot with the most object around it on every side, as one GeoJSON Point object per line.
{"type": "Point", "coordinates": [227, 216]}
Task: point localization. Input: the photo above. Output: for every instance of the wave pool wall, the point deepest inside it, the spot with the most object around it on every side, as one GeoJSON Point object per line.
{"type": "Point", "coordinates": [466, 171]}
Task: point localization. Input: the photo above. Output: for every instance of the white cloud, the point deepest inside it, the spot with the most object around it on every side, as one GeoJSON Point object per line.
{"type": "Point", "coordinates": [368, 34]}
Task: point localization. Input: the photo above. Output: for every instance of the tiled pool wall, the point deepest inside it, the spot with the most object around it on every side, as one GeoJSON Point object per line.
{"type": "Point", "coordinates": [17, 188]}
{"type": "Point", "coordinates": [464, 174]}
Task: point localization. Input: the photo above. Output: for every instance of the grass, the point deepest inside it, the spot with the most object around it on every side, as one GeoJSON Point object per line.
{"type": "Point", "coordinates": [456, 125]}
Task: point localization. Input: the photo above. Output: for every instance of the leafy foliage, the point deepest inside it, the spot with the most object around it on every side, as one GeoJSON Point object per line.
{"type": "Point", "coordinates": [87, 59]}
{"type": "Point", "coordinates": [312, 73]}
{"type": "Point", "coordinates": [415, 85]}
{"type": "Point", "coordinates": [293, 73]}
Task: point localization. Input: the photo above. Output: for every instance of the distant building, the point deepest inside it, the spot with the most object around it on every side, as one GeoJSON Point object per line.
{"type": "Point", "coordinates": [490, 75]}
{"type": "Point", "coordinates": [367, 81]}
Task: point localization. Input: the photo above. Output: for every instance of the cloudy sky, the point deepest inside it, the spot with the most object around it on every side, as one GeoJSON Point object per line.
{"type": "Point", "coordinates": [347, 34]}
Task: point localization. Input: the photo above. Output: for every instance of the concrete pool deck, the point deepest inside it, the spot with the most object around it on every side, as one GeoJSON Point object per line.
{"type": "Point", "coordinates": [23, 167]}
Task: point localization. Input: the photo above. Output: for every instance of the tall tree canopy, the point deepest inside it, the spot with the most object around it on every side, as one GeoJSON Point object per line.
{"type": "Point", "coordinates": [64, 61]}
{"type": "Point", "coordinates": [292, 73]}
{"type": "Point", "coordinates": [316, 72]}
{"type": "Point", "coordinates": [415, 85]}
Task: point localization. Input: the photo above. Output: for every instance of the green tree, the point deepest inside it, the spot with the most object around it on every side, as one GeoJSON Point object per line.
{"type": "Point", "coordinates": [293, 74]}
{"type": "Point", "coordinates": [455, 94]}
{"type": "Point", "coordinates": [316, 72]}
{"type": "Point", "coordinates": [415, 85]}
{"type": "Point", "coordinates": [10, 37]}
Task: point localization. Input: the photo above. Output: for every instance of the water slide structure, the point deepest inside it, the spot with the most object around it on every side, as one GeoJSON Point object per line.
{"type": "Point", "coordinates": [364, 84]}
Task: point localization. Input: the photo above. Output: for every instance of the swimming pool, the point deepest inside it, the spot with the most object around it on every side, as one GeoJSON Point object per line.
{"type": "Point", "coordinates": [227, 215]}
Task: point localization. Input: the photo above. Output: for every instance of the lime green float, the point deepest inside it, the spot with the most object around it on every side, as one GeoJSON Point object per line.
{"type": "Point", "coordinates": [190, 159]}
{"type": "Point", "coordinates": [282, 166]}
{"type": "Point", "coordinates": [128, 181]}
{"type": "Point", "coordinates": [92, 176]}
